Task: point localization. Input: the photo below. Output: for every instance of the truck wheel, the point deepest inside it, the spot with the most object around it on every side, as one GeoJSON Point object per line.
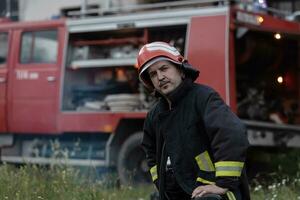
{"type": "Point", "coordinates": [132, 164]}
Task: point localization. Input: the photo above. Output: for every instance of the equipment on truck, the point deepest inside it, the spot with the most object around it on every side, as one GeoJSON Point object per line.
{"type": "Point", "coordinates": [71, 85]}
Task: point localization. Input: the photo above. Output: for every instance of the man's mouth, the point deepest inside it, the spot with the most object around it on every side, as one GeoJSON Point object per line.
{"type": "Point", "coordinates": [163, 84]}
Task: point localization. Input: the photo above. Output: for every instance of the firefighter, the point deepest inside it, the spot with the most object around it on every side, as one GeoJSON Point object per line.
{"type": "Point", "coordinates": [195, 146]}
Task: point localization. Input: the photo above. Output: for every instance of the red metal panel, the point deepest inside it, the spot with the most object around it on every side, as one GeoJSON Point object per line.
{"type": "Point", "coordinates": [34, 89]}
{"type": "Point", "coordinates": [268, 22]}
{"type": "Point", "coordinates": [94, 122]}
{"type": "Point", "coordinates": [207, 50]}
{"type": "Point", "coordinates": [36, 25]}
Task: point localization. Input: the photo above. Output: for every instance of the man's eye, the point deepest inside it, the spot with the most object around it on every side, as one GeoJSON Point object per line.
{"type": "Point", "coordinates": [152, 75]}
{"type": "Point", "coordinates": [164, 68]}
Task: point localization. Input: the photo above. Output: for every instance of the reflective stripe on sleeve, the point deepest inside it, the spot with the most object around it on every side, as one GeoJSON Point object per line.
{"type": "Point", "coordinates": [199, 179]}
{"type": "Point", "coordinates": [229, 168]}
{"type": "Point", "coordinates": [153, 172]}
{"type": "Point", "coordinates": [204, 162]}
{"type": "Point", "coordinates": [230, 195]}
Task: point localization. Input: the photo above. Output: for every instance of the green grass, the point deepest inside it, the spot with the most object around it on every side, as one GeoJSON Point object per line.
{"type": "Point", "coordinates": [279, 174]}
{"type": "Point", "coordinates": [61, 183]}
{"type": "Point", "coordinates": [64, 183]}
{"type": "Point", "coordinates": [282, 189]}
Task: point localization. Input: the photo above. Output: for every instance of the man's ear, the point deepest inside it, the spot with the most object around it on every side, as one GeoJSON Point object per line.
{"type": "Point", "coordinates": [182, 74]}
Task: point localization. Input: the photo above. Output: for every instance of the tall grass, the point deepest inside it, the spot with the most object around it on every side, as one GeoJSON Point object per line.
{"type": "Point", "coordinates": [279, 174]}
{"type": "Point", "coordinates": [280, 189]}
{"type": "Point", "coordinates": [30, 182]}
{"type": "Point", "coordinates": [61, 183]}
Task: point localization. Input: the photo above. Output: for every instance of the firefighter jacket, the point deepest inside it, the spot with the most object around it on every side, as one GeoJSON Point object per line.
{"type": "Point", "coordinates": [205, 141]}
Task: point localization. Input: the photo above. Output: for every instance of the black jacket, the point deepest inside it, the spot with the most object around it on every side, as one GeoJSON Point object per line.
{"type": "Point", "coordinates": [205, 141]}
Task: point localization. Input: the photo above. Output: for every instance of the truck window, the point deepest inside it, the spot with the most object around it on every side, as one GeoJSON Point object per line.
{"type": "Point", "coordinates": [3, 48]}
{"type": "Point", "coordinates": [39, 47]}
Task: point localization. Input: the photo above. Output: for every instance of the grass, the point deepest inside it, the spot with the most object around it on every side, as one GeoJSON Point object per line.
{"type": "Point", "coordinates": [65, 183]}
{"type": "Point", "coordinates": [282, 189]}
{"type": "Point", "coordinates": [279, 176]}
{"type": "Point", "coordinates": [61, 183]}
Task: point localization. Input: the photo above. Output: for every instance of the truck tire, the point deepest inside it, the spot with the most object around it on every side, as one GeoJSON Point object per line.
{"type": "Point", "coordinates": [132, 166]}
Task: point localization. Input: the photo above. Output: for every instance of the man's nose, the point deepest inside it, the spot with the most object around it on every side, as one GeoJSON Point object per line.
{"type": "Point", "coordinates": [160, 76]}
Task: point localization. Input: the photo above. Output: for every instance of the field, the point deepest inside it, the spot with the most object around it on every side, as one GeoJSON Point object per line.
{"type": "Point", "coordinates": [65, 183]}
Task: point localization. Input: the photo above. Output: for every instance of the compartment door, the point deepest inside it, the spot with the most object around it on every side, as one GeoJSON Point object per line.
{"type": "Point", "coordinates": [207, 49]}
{"type": "Point", "coordinates": [36, 77]}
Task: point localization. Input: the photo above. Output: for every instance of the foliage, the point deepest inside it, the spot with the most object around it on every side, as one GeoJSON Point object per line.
{"type": "Point", "coordinates": [31, 182]}
{"type": "Point", "coordinates": [278, 174]}
{"type": "Point", "coordinates": [61, 183]}
{"type": "Point", "coordinates": [286, 188]}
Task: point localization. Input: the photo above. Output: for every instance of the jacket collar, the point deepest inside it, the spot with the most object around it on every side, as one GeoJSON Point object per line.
{"type": "Point", "coordinates": [172, 99]}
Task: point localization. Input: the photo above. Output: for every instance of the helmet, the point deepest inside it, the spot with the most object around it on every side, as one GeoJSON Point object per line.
{"type": "Point", "coordinates": [157, 51]}
{"type": "Point", "coordinates": [152, 53]}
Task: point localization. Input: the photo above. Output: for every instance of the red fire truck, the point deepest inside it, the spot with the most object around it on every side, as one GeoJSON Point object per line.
{"type": "Point", "coordinates": [69, 88]}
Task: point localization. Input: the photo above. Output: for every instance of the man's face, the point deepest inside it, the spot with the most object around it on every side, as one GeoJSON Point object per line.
{"type": "Point", "coordinates": [165, 76]}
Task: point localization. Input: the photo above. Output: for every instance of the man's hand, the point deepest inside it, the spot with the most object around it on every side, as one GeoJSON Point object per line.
{"type": "Point", "coordinates": [208, 189]}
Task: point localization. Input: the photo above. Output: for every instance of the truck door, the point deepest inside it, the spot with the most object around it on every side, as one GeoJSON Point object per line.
{"type": "Point", "coordinates": [207, 49]}
{"type": "Point", "coordinates": [35, 80]}
{"type": "Point", "coordinates": [3, 80]}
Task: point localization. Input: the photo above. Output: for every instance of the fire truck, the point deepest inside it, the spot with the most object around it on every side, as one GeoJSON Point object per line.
{"type": "Point", "coordinates": [69, 88]}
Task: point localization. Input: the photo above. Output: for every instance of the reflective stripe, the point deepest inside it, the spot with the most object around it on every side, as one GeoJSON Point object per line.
{"type": "Point", "coordinates": [163, 47]}
{"type": "Point", "coordinates": [199, 179]}
{"type": "Point", "coordinates": [171, 51]}
{"type": "Point", "coordinates": [229, 168]}
{"type": "Point", "coordinates": [153, 172]}
{"type": "Point", "coordinates": [204, 162]}
{"type": "Point", "coordinates": [230, 195]}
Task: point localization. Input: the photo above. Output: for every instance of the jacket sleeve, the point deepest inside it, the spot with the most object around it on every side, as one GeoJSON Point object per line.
{"type": "Point", "coordinates": [228, 141]}
{"type": "Point", "coordinates": [149, 146]}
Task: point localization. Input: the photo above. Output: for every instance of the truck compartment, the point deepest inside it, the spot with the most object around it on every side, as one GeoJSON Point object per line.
{"type": "Point", "coordinates": [101, 73]}
{"type": "Point", "coordinates": [267, 76]}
